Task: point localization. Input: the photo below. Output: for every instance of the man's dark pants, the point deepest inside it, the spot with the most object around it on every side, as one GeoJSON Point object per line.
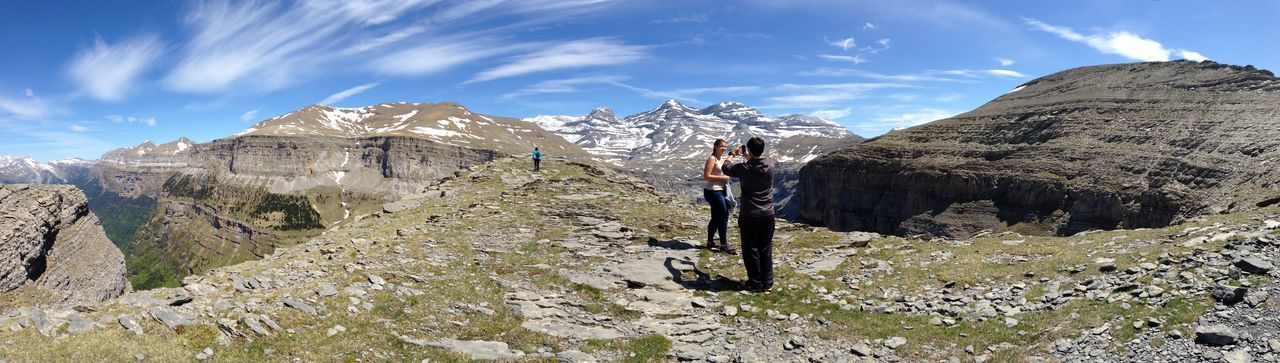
{"type": "Point", "coordinates": [537, 164]}
{"type": "Point", "coordinates": [757, 250]}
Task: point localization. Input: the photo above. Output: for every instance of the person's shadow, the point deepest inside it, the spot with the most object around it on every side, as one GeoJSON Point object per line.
{"type": "Point", "coordinates": [702, 280]}
{"type": "Point", "coordinates": [671, 244]}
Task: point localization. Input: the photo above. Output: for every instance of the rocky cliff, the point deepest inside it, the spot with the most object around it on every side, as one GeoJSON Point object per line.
{"type": "Point", "coordinates": [54, 250]}
{"type": "Point", "coordinates": [1101, 147]}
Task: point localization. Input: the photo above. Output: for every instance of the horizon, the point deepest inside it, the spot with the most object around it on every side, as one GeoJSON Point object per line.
{"type": "Point", "coordinates": [84, 82]}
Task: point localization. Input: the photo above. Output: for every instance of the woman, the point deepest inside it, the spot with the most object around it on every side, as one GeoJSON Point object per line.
{"type": "Point", "coordinates": [715, 194]}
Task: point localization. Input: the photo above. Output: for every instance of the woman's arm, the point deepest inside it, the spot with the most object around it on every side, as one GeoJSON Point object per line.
{"type": "Point", "coordinates": [706, 171]}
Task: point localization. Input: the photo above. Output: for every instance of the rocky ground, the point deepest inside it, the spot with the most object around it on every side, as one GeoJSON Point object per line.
{"type": "Point", "coordinates": [581, 264]}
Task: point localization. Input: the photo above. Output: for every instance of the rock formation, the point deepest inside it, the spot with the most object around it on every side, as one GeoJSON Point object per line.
{"type": "Point", "coordinates": [55, 252]}
{"type": "Point", "coordinates": [1101, 147]}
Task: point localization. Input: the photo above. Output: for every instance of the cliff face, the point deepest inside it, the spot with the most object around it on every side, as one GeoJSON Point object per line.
{"type": "Point", "coordinates": [1102, 147]}
{"type": "Point", "coordinates": [54, 251]}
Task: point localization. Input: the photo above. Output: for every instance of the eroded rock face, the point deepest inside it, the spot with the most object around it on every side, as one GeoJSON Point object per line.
{"type": "Point", "coordinates": [53, 250]}
{"type": "Point", "coordinates": [1101, 147]}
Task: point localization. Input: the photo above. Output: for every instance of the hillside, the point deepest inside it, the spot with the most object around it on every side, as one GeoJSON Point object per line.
{"type": "Point", "coordinates": [290, 177]}
{"type": "Point", "coordinates": [594, 265]}
{"type": "Point", "coordinates": [1100, 147]}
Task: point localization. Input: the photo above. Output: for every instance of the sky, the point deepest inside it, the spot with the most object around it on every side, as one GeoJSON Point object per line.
{"type": "Point", "coordinates": [78, 78]}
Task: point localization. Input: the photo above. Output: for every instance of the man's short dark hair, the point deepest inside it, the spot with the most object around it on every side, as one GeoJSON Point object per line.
{"type": "Point", "coordinates": [756, 146]}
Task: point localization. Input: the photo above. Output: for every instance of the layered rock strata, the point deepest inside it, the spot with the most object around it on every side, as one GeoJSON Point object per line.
{"type": "Point", "coordinates": [53, 249]}
{"type": "Point", "coordinates": [1100, 147]}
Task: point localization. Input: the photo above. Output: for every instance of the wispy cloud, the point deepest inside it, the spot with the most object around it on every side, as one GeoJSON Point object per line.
{"type": "Point", "coordinates": [572, 54]}
{"type": "Point", "coordinates": [438, 56]}
{"type": "Point", "coordinates": [110, 72]}
{"type": "Point", "coordinates": [855, 59]}
{"type": "Point", "coordinates": [868, 26]}
{"type": "Point", "coordinates": [27, 107]}
{"type": "Point", "coordinates": [249, 115]}
{"type": "Point", "coordinates": [342, 95]}
{"type": "Point", "coordinates": [1004, 62]}
{"type": "Point", "coordinates": [1120, 43]}
{"type": "Point", "coordinates": [569, 85]}
{"type": "Point", "coordinates": [25, 137]}
{"type": "Point", "coordinates": [272, 45]}
{"type": "Point", "coordinates": [832, 114]}
{"type": "Point", "coordinates": [845, 44]}
{"type": "Point", "coordinates": [699, 19]}
{"type": "Point", "coordinates": [78, 128]}
{"type": "Point", "coordinates": [823, 95]}
{"type": "Point", "coordinates": [953, 75]}
{"type": "Point", "coordinates": [903, 120]}
{"type": "Point", "coordinates": [149, 121]}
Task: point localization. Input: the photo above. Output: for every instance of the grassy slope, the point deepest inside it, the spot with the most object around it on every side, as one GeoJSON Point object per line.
{"type": "Point", "coordinates": [460, 269]}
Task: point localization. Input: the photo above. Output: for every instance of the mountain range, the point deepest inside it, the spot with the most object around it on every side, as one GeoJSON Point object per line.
{"type": "Point", "coordinates": [667, 145]}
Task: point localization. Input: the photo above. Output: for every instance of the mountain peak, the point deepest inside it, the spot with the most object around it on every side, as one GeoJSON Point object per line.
{"type": "Point", "coordinates": [732, 111]}
{"type": "Point", "coordinates": [604, 113]}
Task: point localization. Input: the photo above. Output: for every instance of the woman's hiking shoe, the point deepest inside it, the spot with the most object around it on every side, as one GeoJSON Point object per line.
{"type": "Point", "coordinates": [728, 249]}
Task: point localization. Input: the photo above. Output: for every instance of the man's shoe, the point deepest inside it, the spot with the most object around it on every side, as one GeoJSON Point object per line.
{"type": "Point", "coordinates": [728, 249]}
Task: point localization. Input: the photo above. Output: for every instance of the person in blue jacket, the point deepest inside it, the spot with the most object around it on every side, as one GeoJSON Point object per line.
{"type": "Point", "coordinates": [537, 159]}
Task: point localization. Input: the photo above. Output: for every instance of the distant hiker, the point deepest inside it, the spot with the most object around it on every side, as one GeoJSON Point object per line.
{"type": "Point", "coordinates": [537, 159]}
{"type": "Point", "coordinates": [715, 194]}
{"type": "Point", "coordinates": [755, 220]}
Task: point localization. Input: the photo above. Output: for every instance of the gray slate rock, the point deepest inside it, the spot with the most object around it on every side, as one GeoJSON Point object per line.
{"type": "Point", "coordinates": [300, 306]}
{"type": "Point", "coordinates": [1216, 335]}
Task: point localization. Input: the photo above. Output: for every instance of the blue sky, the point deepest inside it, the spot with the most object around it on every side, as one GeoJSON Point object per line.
{"type": "Point", "coordinates": [81, 77]}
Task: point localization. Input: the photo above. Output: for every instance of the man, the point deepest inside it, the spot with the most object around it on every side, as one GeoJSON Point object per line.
{"type": "Point", "coordinates": [755, 219]}
{"type": "Point", "coordinates": [537, 159]}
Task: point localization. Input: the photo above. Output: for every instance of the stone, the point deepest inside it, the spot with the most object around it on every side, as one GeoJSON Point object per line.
{"type": "Point", "coordinates": [861, 350]}
{"type": "Point", "coordinates": [130, 324]}
{"type": "Point", "coordinates": [1105, 264]}
{"type": "Point", "coordinates": [1228, 295]}
{"type": "Point", "coordinates": [78, 324]}
{"type": "Point", "coordinates": [326, 289]}
{"type": "Point", "coordinates": [1271, 224]}
{"type": "Point", "coordinates": [300, 306]}
{"type": "Point", "coordinates": [729, 310]}
{"type": "Point", "coordinates": [1238, 356]}
{"type": "Point", "coordinates": [1010, 322]}
{"type": "Point", "coordinates": [1274, 344]}
{"type": "Point", "coordinates": [335, 330]}
{"type": "Point", "coordinates": [475, 349]}
{"type": "Point", "coordinates": [575, 356]}
{"type": "Point", "coordinates": [376, 280]}
{"type": "Point", "coordinates": [1216, 335]}
{"type": "Point", "coordinates": [169, 318]}
{"type": "Point", "coordinates": [895, 342]}
{"type": "Point", "coordinates": [1254, 265]}
{"type": "Point", "coordinates": [205, 354]}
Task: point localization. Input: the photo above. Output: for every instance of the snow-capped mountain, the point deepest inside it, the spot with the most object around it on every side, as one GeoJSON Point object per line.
{"type": "Point", "coordinates": [25, 170]}
{"type": "Point", "coordinates": [149, 154]}
{"type": "Point", "coordinates": [445, 122]}
{"type": "Point", "coordinates": [673, 136]}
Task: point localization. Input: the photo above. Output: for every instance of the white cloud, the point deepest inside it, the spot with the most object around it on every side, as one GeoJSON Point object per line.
{"type": "Point", "coordinates": [109, 72]}
{"type": "Point", "coordinates": [1005, 73]}
{"type": "Point", "coordinates": [78, 128]}
{"type": "Point", "coordinates": [832, 114]}
{"type": "Point", "coordinates": [149, 121]}
{"type": "Point", "coordinates": [823, 95]}
{"type": "Point", "coordinates": [1192, 56]}
{"type": "Point", "coordinates": [1120, 43]}
{"type": "Point", "coordinates": [1004, 62]}
{"type": "Point", "coordinates": [869, 26]}
{"type": "Point", "coordinates": [904, 120]}
{"type": "Point", "coordinates": [29, 107]}
{"type": "Point", "coordinates": [338, 97]}
{"type": "Point", "coordinates": [47, 140]}
{"type": "Point", "coordinates": [844, 44]}
{"type": "Point", "coordinates": [436, 56]}
{"type": "Point", "coordinates": [572, 54]}
{"type": "Point", "coordinates": [28, 92]}
{"type": "Point", "coordinates": [271, 45]}
{"type": "Point", "coordinates": [247, 116]}
{"type": "Point", "coordinates": [855, 59]}
{"type": "Point", "coordinates": [569, 85]}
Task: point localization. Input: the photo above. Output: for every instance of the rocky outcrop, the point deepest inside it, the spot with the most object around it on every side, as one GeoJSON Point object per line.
{"type": "Point", "coordinates": [54, 250]}
{"type": "Point", "coordinates": [1101, 147]}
